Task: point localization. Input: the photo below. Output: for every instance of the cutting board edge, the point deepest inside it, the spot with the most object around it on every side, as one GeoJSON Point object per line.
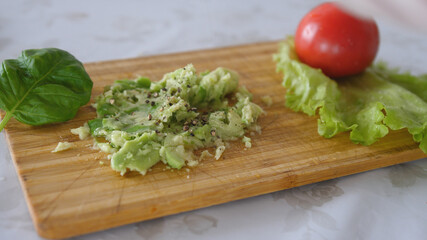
{"type": "Point", "coordinates": [53, 233]}
{"type": "Point", "coordinates": [30, 207]}
{"type": "Point", "coordinates": [193, 51]}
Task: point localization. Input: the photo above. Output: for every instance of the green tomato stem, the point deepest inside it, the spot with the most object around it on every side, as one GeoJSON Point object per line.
{"type": "Point", "coordinates": [5, 120]}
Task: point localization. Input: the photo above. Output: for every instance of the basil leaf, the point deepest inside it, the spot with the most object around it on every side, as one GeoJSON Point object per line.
{"type": "Point", "coordinates": [43, 86]}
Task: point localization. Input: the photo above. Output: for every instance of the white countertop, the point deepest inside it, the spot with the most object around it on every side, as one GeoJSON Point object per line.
{"type": "Point", "coordinates": [388, 203]}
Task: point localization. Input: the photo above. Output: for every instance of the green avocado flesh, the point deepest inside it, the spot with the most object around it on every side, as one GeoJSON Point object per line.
{"type": "Point", "coordinates": [140, 122]}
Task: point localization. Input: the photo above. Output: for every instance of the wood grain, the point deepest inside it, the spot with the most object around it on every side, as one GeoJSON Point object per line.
{"type": "Point", "coordinates": [70, 193]}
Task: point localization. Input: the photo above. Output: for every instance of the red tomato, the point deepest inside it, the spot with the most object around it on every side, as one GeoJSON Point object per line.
{"type": "Point", "coordinates": [335, 41]}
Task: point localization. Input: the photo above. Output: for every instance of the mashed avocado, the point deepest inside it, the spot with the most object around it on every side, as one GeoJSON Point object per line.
{"type": "Point", "coordinates": [141, 122]}
{"type": "Point", "coordinates": [62, 146]}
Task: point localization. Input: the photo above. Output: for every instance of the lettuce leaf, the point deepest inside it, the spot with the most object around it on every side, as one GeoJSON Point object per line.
{"type": "Point", "coordinates": [367, 105]}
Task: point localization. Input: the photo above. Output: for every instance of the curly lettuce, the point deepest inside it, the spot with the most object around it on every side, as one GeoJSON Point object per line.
{"type": "Point", "coordinates": [367, 105]}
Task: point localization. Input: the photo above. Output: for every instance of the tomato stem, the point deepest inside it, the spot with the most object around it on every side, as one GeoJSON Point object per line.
{"type": "Point", "coordinates": [5, 120]}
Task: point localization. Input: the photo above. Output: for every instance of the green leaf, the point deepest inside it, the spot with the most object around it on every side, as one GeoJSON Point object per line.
{"type": "Point", "coordinates": [367, 105]}
{"type": "Point", "coordinates": [43, 86]}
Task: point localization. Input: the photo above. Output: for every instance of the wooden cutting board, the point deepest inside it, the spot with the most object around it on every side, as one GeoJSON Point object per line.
{"type": "Point", "coordinates": [70, 193]}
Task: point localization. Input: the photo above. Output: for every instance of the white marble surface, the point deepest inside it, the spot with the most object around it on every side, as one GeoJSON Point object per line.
{"type": "Point", "coordinates": [388, 203]}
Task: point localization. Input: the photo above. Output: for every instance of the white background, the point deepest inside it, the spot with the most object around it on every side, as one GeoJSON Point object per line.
{"type": "Point", "coordinates": [389, 203]}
